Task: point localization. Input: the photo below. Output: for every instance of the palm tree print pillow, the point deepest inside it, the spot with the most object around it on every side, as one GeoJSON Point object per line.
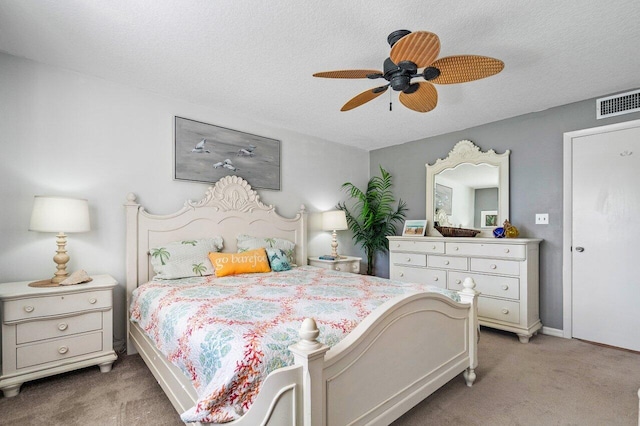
{"type": "Point", "coordinates": [248, 242]}
{"type": "Point", "coordinates": [278, 260]}
{"type": "Point", "coordinates": [181, 259]}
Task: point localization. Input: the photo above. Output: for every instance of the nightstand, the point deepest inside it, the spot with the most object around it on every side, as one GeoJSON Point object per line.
{"type": "Point", "coordinates": [50, 330]}
{"type": "Point", "coordinates": [345, 264]}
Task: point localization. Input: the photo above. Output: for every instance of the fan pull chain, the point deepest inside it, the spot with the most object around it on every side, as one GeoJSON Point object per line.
{"type": "Point", "coordinates": [390, 101]}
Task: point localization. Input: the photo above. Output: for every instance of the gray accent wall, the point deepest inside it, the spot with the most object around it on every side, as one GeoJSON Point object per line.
{"type": "Point", "coordinates": [536, 180]}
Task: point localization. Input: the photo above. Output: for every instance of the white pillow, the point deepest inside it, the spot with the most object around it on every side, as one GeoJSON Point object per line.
{"type": "Point", "coordinates": [248, 242]}
{"type": "Point", "coordinates": [188, 258]}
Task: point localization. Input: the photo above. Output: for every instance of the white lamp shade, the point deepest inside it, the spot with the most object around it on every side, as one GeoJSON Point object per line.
{"type": "Point", "coordinates": [59, 214]}
{"type": "Point", "coordinates": [334, 220]}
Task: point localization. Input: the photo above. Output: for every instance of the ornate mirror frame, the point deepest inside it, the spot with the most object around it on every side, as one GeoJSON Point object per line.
{"type": "Point", "coordinates": [466, 151]}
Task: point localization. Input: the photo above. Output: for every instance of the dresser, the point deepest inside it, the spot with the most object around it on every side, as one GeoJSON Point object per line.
{"type": "Point", "coordinates": [505, 271]}
{"type": "Point", "coordinates": [344, 263]}
{"type": "Point", "coordinates": [46, 331]}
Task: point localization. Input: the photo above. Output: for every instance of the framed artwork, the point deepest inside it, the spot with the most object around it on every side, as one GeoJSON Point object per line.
{"type": "Point", "coordinates": [488, 218]}
{"type": "Point", "coordinates": [206, 153]}
{"type": "Point", "coordinates": [444, 195]}
{"type": "Point", "coordinates": [413, 228]}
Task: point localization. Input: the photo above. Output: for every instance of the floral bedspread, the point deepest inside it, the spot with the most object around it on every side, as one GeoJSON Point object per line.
{"type": "Point", "coordinates": [227, 334]}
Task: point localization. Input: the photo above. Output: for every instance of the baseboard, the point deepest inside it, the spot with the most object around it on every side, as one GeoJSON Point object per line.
{"type": "Point", "coordinates": [552, 332]}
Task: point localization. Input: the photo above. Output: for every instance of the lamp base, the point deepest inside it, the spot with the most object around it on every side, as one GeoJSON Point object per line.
{"type": "Point", "coordinates": [44, 283]}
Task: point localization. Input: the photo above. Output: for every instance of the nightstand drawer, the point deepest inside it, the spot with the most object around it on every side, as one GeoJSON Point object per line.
{"type": "Point", "coordinates": [33, 331]}
{"type": "Point", "coordinates": [35, 307]}
{"type": "Point", "coordinates": [55, 350]}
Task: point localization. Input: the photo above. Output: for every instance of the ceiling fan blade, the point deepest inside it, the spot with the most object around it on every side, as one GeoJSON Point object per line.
{"type": "Point", "coordinates": [463, 68]}
{"type": "Point", "coordinates": [348, 74]}
{"type": "Point", "coordinates": [363, 98]}
{"type": "Point", "coordinates": [421, 48]}
{"type": "Point", "coordinates": [424, 99]}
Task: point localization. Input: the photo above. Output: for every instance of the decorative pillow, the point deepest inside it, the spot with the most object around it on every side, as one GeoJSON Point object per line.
{"type": "Point", "coordinates": [240, 263]}
{"type": "Point", "coordinates": [278, 260]}
{"type": "Point", "coordinates": [181, 259]}
{"type": "Point", "coordinates": [247, 242]}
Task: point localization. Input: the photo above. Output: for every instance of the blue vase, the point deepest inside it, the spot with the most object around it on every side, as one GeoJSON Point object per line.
{"type": "Point", "coordinates": [498, 232]}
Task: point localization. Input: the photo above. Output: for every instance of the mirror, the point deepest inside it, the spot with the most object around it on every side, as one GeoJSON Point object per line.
{"type": "Point", "coordinates": [468, 189]}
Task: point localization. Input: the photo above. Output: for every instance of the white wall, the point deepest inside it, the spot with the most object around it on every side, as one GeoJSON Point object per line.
{"type": "Point", "coordinates": [64, 133]}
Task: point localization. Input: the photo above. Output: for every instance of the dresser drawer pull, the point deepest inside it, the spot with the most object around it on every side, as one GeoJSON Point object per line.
{"type": "Point", "coordinates": [398, 245]}
{"type": "Point", "coordinates": [433, 247]}
{"type": "Point", "coordinates": [62, 326]}
{"type": "Point", "coordinates": [408, 259]}
{"type": "Point", "coordinates": [63, 350]}
{"type": "Point", "coordinates": [337, 268]}
{"type": "Point", "coordinates": [435, 278]}
{"type": "Point", "coordinates": [506, 250]}
{"type": "Point", "coordinates": [93, 300]}
{"type": "Point", "coordinates": [455, 249]}
{"type": "Point", "coordinates": [29, 308]}
{"type": "Point", "coordinates": [401, 274]}
{"type": "Point", "coordinates": [458, 281]}
{"type": "Point", "coordinates": [446, 262]}
{"type": "Point", "coordinates": [505, 311]}
{"type": "Point", "coordinates": [505, 287]}
{"type": "Point", "coordinates": [493, 266]}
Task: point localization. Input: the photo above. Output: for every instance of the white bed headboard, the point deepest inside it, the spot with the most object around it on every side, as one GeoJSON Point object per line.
{"type": "Point", "coordinates": [229, 208]}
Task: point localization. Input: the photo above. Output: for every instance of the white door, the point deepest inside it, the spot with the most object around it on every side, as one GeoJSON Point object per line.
{"type": "Point", "coordinates": [605, 230]}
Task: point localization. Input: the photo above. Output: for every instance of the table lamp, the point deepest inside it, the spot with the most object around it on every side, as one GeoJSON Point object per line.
{"type": "Point", "coordinates": [59, 214]}
{"type": "Point", "coordinates": [334, 220]}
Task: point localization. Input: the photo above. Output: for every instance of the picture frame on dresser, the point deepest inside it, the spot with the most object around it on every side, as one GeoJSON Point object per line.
{"type": "Point", "coordinates": [414, 228]}
{"type": "Point", "coordinates": [488, 218]}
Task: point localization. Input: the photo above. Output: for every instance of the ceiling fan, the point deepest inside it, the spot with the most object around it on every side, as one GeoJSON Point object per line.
{"type": "Point", "coordinates": [410, 52]}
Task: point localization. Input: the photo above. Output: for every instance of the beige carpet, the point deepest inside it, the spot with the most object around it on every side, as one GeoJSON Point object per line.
{"type": "Point", "coordinates": [550, 381]}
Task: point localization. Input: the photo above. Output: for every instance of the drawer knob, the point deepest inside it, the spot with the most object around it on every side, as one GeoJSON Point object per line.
{"type": "Point", "coordinates": [93, 300]}
{"type": "Point", "coordinates": [505, 287]}
{"type": "Point", "coordinates": [398, 245]}
{"type": "Point", "coordinates": [446, 262]}
{"type": "Point", "coordinates": [433, 247]}
{"type": "Point", "coordinates": [402, 274]}
{"type": "Point", "coordinates": [62, 326]}
{"type": "Point", "coordinates": [493, 266]}
{"type": "Point", "coordinates": [458, 281]}
{"type": "Point", "coordinates": [506, 250]}
{"type": "Point", "coordinates": [63, 350]}
{"type": "Point", "coordinates": [435, 278]}
{"type": "Point", "coordinates": [505, 311]}
{"type": "Point", "coordinates": [455, 249]}
{"type": "Point", "coordinates": [29, 308]}
{"type": "Point", "coordinates": [408, 259]}
{"type": "Point", "coordinates": [337, 268]}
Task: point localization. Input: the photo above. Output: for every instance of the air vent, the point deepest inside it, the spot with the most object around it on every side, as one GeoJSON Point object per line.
{"type": "Point", "coordinates": [622, 103]}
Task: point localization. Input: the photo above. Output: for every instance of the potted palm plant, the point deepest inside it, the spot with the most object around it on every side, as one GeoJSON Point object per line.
{"type": "Point", "coordinates": [373, 217]}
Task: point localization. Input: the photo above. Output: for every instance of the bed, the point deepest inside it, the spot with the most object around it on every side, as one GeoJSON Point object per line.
{"type": "Point", "coordinates": [404, 350]}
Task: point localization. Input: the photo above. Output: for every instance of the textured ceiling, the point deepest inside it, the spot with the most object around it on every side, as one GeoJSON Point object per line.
{"type": "Point", "coordinates": [256, 58]}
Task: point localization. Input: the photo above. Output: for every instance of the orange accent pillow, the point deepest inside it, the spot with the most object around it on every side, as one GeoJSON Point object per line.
{"type": "Point", "coordinates": [240, 263]}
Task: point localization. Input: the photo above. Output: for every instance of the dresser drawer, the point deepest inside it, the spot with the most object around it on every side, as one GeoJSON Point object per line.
{"type": "Point", "coordinates": [421, 246]}
{"type": "Point", "coordinates": [510, 251]}
{"type": "Point", "coordinates": [56, 350]}
{"type": "Point", "coordinates": [447, 262]}
{"type": "Point", "coordinates": [419, 275]}
{"type": "Point", "coordinates": [33, 331]}
{"type": "Point", "coordinates": [487, 285]}
{"type": "Point", "coordinates": [501, 310]}
{"type": "Point", "coordinates": [35, 307]}
{"type": "Point", "coordinates": [414, 259]}
{"type": "Point", "coordinates": [496, 266]}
